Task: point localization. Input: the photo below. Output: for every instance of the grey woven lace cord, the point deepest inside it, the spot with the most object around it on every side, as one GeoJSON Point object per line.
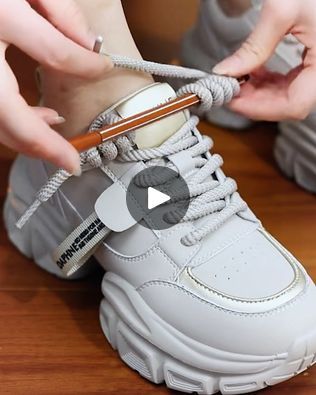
{"type": "Point", "coordinates": [212, 89]}
{"type": "Point", "coordinates": [163, 70]}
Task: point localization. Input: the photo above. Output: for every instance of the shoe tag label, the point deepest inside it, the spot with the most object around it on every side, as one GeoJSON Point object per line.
{"type": "Point", "coordinates": [80, 245]}
{"type": "Point", "coordinates": [111, 214]}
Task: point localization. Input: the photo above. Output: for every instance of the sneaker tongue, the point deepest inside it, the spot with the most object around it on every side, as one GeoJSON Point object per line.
{"type": "Point", "coordinates": [155, 134]}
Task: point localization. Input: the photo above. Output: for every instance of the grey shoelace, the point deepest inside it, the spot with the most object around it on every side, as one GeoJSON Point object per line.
{"type": "Point", "coordinates": [216, 195]}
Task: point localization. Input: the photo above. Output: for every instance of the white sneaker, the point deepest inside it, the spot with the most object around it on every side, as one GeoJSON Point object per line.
{"type": "Point", "coordinates": [214, 37]}
{"type": "Point", "coordinates": [213, 303]}
{"type": "Point", "coordinates": [295, 151]}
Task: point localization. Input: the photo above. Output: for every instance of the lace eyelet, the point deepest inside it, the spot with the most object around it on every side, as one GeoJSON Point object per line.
{"type": "Point", "coordinates": [183, 242]}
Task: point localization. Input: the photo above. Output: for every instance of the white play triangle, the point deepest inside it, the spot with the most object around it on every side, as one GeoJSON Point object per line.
{"type": "Point", "coordinates": [156, 198]}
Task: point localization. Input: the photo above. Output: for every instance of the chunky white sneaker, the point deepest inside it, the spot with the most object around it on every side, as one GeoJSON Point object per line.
{"type": "Point", "coordinates": [295, 151]}
{"type": "Point", "coordinates": [210, 303]}
{"type": "Point", "coordinates": [216, 36]}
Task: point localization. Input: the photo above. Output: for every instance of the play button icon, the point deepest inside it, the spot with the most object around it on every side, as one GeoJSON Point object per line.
{"type": "Point", "coordinates": [158, 198]}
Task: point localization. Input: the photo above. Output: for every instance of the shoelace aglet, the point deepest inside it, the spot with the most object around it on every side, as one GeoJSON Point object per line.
{"type": "Point", "coordinates": [242, 80]}
{"type": "Point", "coordinates": [98, 44]}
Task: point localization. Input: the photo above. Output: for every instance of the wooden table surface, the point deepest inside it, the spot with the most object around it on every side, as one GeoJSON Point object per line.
{"type": "Point", "coordinates": [50, 337]}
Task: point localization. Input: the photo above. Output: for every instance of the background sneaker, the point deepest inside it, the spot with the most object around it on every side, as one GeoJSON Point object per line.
{"type": "Point", "coordinates": [214, 37]}
{"type": "Point", "coordinates": [295, 151]}
{"type": "Point", "coordinates": [212, 303]}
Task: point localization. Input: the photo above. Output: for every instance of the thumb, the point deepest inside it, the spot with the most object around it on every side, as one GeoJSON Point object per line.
{"type": "Point", "coordinates": [274, 23]}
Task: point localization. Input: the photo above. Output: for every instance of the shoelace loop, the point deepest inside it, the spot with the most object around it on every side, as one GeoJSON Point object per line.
{"type": "Point", "coordinates": [217, 196]}
{"type": "Point", "coordinates": [208, 195]}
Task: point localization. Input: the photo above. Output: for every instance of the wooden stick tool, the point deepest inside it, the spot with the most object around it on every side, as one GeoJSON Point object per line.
{"type": "Point", "coordinates": [93, 139]}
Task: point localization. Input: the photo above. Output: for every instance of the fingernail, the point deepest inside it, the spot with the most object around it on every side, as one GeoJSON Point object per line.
{"type": "Point", "coordinates": [74, 167]}
{"type": "Point", "coordinates": [77, 172]}
{"type": "Point", "coordinates": [58, 120]}
{"type": "Point", "coordinates": [229, 66]}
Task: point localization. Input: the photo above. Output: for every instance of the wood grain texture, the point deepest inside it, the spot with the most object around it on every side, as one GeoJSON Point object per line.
{"type": "Point", "coordinates": [50, 337]}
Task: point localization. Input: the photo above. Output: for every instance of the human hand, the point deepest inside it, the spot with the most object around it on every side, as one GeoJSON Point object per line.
{"type": "Point", "coordinates": [272, 96]}
{"type": "Point", "coordinates": [56, 35]}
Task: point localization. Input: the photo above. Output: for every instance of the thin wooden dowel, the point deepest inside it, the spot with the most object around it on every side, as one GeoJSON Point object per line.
{"type": "Point", "coordinates": [93, 139]}
{"type": "Point", "coordinates": [90, 140]}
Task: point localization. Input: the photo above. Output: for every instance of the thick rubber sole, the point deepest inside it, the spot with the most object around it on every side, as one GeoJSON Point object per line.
{"type": "Point", "coordinates": [295, 153]}
{"type": "Point", "coordinates": [149, 345]}
{"type": "Point", "coordinates": [160, 353]}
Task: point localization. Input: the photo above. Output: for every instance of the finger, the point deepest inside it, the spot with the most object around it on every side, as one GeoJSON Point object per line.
{"type": "Point", "coordinates": [25, 132]}
{"type": "Point", "coordinates": [10, 84]}
{"type": "Point", "coordinates": [66, 16]}
{"type": "Point", "coordinates": [275, 21]}
{"type": "Point", "coordinates": [302, 93]}
{"type": "Point", "coordinates": [256, 105]}
{"type": "Point", "coordinates": [34, 35]}
{"type": "Point", "coordinates": [271, 97]}
{"type": "Point", "coordinates": [50, 116]}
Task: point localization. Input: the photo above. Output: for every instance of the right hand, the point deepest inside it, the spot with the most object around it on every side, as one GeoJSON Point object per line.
{"type": "Point", "coordinates": [272, 96]}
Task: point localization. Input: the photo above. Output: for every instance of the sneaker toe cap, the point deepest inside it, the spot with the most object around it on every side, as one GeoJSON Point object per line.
{"type": "Point", "coordinates": [262, 304]}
